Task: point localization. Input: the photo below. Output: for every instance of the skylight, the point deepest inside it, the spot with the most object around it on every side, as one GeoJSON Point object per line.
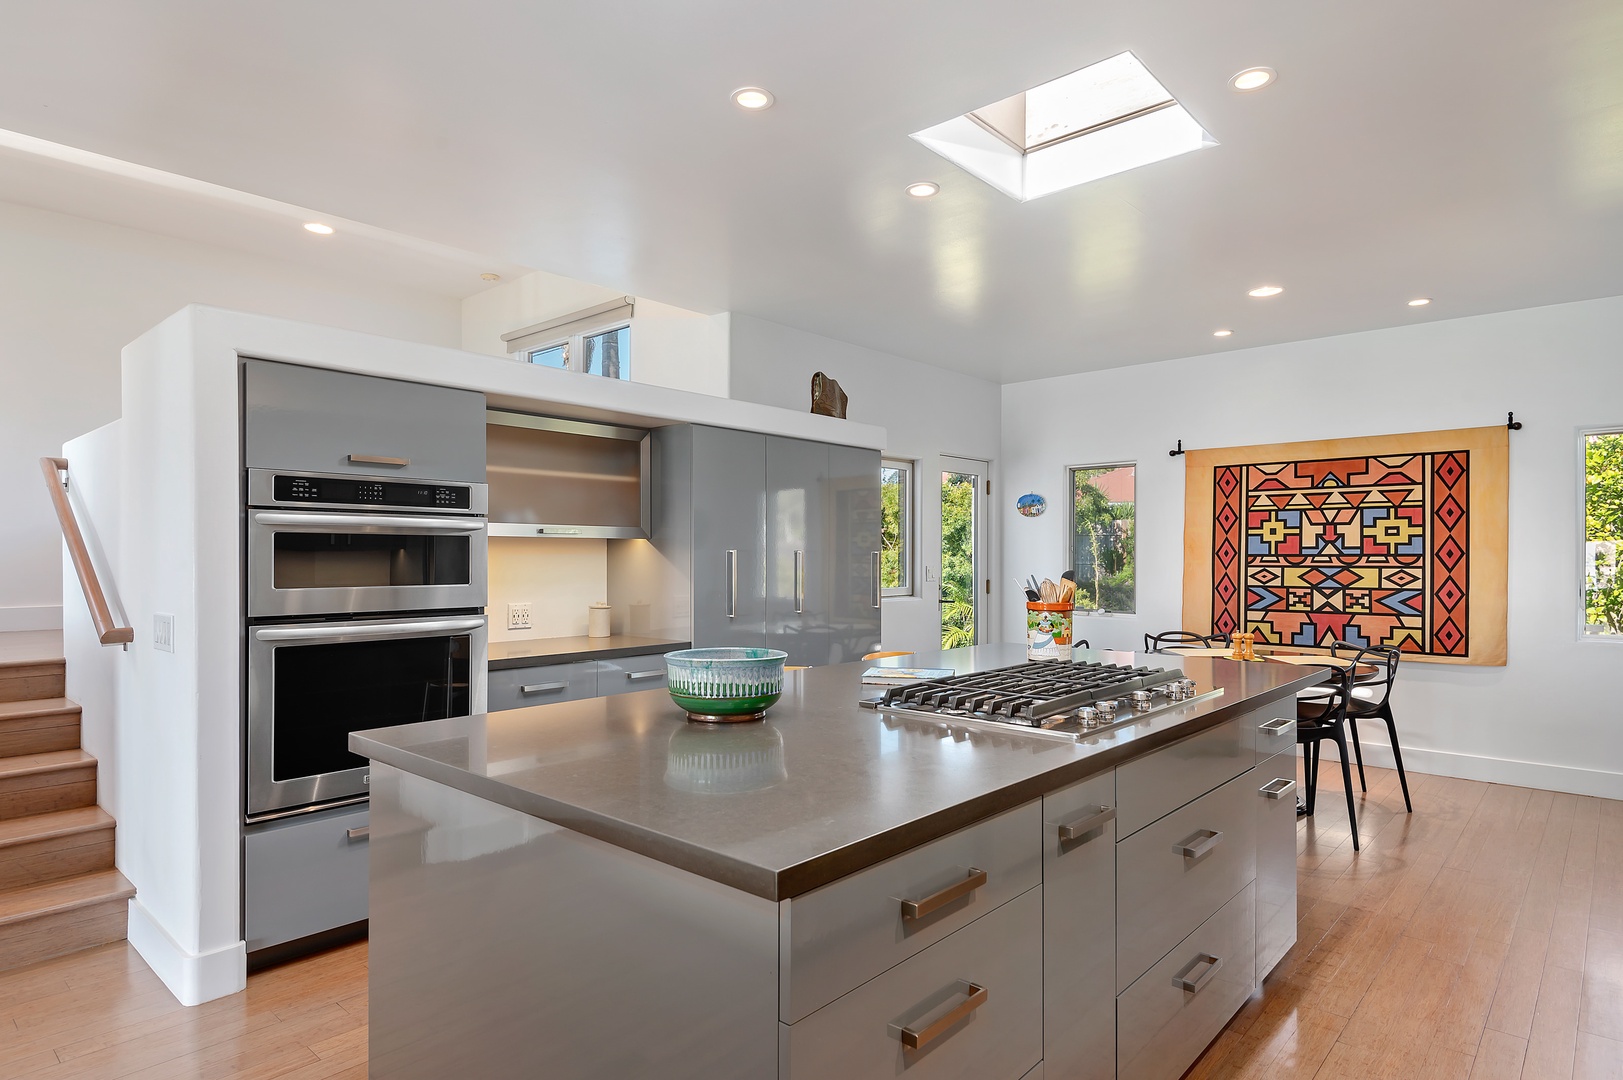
{"type": "Point", "coordinates": [1107, 118]}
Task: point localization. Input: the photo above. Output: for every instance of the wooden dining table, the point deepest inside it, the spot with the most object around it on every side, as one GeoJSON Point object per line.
{"type": "Point", "coordinates": [1304, 659]}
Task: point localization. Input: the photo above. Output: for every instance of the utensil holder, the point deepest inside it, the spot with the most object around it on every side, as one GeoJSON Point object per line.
{"type": "Point", "coordinates": [1048, 631]}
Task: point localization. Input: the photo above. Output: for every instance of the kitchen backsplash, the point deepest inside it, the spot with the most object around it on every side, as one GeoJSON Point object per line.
{"type": "Point", "coordinates": [559, 579]}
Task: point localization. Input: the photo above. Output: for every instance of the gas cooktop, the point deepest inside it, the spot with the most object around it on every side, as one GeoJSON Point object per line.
{"type": "Point", "coordinates": [1049, 697]}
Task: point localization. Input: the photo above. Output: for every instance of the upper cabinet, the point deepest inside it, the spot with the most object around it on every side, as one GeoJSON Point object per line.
{"type": "Point", "coordinates": [308, 419]}
{"type": "Point", "coordinates": [553, 477]}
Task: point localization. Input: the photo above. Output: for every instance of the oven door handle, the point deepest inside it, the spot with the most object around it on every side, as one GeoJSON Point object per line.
{"type": "Point", "coordinates": [376, 523]}
{"type": "Point", "coordinates": [367, 632]}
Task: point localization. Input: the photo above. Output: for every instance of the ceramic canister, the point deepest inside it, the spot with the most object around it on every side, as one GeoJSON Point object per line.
{"type": "Point", "coordinates": [1048, 631]}
{"type": "Point", "coordinates": [597, 620]}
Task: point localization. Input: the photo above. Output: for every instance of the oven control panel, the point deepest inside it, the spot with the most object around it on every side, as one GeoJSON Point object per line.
{"type": "Point", "coordinates": [352, 491]}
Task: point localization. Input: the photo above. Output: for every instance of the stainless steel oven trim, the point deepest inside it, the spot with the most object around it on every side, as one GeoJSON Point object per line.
{"type": "Point", "coordinates": [267, 796]}
{"type": "Point", "coordinates": [264, 599]}
{"type": "Point", "coordinates": [260, 492]}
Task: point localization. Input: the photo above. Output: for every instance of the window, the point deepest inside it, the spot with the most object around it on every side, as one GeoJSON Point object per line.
{"type": "Point", "coordinates": [607, 353]}
{"type": "Point", "coordinates": [553, 356]}
{"type": "Point", "coordinates": [596, 341]}
{"type": "Point", "coordinates": [1603, 534]}
{"type": "Point", "coordinates": [1102, 537]}
{"type": "Point", "coordinates": [896, 528]}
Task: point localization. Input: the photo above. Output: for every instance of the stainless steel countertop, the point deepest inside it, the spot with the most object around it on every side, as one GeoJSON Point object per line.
{"type": "Point", "coordinates": [820, 789]}
{"type": "Point", "coordinates": [529, 652]}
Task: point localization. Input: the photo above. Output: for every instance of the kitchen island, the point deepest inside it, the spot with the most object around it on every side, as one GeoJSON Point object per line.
{"type": "Point", "coordinates": [603, 889]}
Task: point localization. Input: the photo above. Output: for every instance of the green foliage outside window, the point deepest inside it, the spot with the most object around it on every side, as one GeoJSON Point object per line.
{"type": "Point", "coordinates": [957, 560]}
{"type": "Point", "coordinates": [893, 528]}
{"type": "Point", "coordinates": [1102, 542]}
{"type": "Point", "coordinates": [1603, 530]}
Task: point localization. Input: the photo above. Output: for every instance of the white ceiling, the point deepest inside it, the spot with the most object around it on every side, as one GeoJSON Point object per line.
{"type": "Point", "coordinates": [1469, 150]}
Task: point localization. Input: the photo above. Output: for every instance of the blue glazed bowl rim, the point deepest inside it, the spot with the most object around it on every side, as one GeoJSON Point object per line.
{"type": "Point", "coordinates": [713, 655]}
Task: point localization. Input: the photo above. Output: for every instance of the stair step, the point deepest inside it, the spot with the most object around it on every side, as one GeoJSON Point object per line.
{"type": "Point", "coordinates": [59, 917]}
{"type": "Point", "coordinates": [41, 783]}
{"type": "Point", "coordinates": [49, 847]}
{"type": "Point", "coordinates": [38, 726]}
{"type": "Point", "coordinates": [30, 680]}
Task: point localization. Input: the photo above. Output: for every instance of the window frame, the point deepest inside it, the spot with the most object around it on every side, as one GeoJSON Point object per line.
{"type": "Point", "coordinates": [574, 346]}
{"type": "Point", "coordinates": [1581, 618]}
{"type": "Point", "coordinates": [908, 531]}
{"type": "Point", "coordinates": [1070, 528]}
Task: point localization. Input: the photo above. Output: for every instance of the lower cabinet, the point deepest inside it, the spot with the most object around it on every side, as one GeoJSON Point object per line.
{"type": "Point", "coordinates": [303, 875]}
{"type": "Point", "coordinates": [1079, 930]}
{"type": "Point", "coordinates": [1273, 786]}
{"type": "Point", "coordinates": [544, 684]}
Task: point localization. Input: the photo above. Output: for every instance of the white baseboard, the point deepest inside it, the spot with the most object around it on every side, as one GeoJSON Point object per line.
{"type": "Point", "coordinates": [1531, 774]}
{"type": "Point", "coordinates": [46, 617]}
{"type": "Point", "coordinates": [191, 977]}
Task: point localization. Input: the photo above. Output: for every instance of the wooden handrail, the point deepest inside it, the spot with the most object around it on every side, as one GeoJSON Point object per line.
{"type": "Point", "coordinates": [107, 631]}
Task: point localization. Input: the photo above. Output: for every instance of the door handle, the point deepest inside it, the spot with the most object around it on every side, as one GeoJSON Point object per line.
{"type": "Point", "coordinates": [918, 1038]}
{"type": "Point", "coordinates": [1194, 986]}
{"type": "Point", "coordinates": [1277, 789]}
{"type": "Point", "coordinates": [876, 579]}
{"type": "Point", "coordinates": [373, 459]}
{"type": "Point", "coordinates": [800, 582]}
{"type": "Point", "coordinates": [644, 674]}
{"type": "Point", "coordinates": [1277, 727]}
{"type": "Point", "coordinates": [362, 833]}
{"type": "Point", "coordinates": [732, 583]}
{"type": "Point", "coordinates": [1198, 844]}
{"type": "Point", "coordinates": [543, 688]}
{"type": "Point", "coordinates": [918, 909]}
{"type": "Point", "coordinates": [1079, 828]}
{"type": "Point", "coordinates": [367, 631]}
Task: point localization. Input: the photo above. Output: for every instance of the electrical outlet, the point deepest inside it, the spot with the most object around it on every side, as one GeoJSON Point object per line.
{"type": "Point", "coordinates": [163, 633]}
{"type": "Point", "coordinates": [518, 616]}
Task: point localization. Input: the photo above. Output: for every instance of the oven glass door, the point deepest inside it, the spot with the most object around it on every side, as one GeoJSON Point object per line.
{"type": "Point", "coordinates": [311, 685]}
{"type": "Point", "coordinates": [305, 563]}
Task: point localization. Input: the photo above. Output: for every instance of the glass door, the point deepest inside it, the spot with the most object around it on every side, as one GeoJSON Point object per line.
{"type": "Point", "coordinates": [963, 551]}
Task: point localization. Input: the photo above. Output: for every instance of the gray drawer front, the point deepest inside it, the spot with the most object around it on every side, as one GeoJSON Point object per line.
{"type": "Point", "coordinates": [518, 688]}
{"type": "Point", "coordinates": [1274, 728]}
{"type": "Point", "coordinates": [302, 876]}
{"type": "Point", "coordinates": [1276, 858]}
{"type": "Point", "coordinates": [858, 1036]}
{"type": "Point", "coordinates": [1161, 1028]}
{"type": "Point", "coordinates": [631, 673]}
{"type": "Point", "coordinates": [843, 934]}
{"type": "Point", "coordinates": [1161, 895]}
{"type": "Point", "coordinates": [313, 419]}
{"type": "Point", "coordinates": [1159, 783]}
{"type": "Point", "coordinates": [1079, 932]}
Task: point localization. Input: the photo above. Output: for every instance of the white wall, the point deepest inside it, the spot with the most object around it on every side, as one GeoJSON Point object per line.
{"type": "Point", "coordinates": [1550, 717]}
{"type": "Point", "coordinates": [670, 346]}
{"type": "Point", "coordinates": [74, 292]}
{"type": "Point", "coordinates": [926, 411]}
{"type": "Point", "coordinates": [560, 579]}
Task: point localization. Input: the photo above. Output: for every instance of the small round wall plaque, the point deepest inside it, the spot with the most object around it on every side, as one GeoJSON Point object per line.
{"type": "Point", "coordinates": [1031, 505]}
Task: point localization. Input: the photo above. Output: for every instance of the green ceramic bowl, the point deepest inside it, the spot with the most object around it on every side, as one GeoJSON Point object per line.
{"type": "Point", "coordinates": [725, 684]}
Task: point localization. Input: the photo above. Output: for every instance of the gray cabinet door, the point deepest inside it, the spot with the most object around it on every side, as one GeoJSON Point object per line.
{"type": "Point", "coordinates": [303, 875]}
{"type": "Point", "coordinates": [796, 589]}
{"type": "Point", "coordinates": [729, 538]}
{"type": "Point", "coordinates": [315, 420]}
{"type": "Point", "coordinates": [629, 674]}
{"type": "Point", "coordinates": [541, 684]}
{"type": "Point", "coordinates": [851, 553]}
{"type": "Point", "coordinates": [1079, 930]}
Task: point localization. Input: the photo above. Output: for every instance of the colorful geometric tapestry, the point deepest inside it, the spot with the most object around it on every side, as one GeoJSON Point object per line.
{"type": "Point", "coordinates": [1311, 544]}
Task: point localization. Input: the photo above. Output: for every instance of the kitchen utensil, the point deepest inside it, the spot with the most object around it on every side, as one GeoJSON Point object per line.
{"type": "Point", "coordinates": [1032, 598]}
{"type": "Point", "coordinates": [721, 685]}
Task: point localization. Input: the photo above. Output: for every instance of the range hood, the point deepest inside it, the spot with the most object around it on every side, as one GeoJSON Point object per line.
{"type": "Point", "coordinates": [551, 477]}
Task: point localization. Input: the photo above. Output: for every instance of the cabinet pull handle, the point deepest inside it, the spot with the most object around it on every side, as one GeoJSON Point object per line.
{"type": "Point", "coordinates": [543, 688]}
{"type": "Point", "coordinates": [919, 1038]}
{"type": "Point", "coordinates": [362, 833]}
{"type": "Point", "coordinates": [373, 459]}
{"type": "Point", "coordinates": [1079, 828]}
{"type": "Point", "coordinates": [1198, 844]}
{"type": "Point", "coordinates": [634, 675]}
{"type": "Point", "coordinates": [1277, 727]}
{"type": "Point", "coordinates": [1277, 789]}
{"type": "Point", "coordinates": [732, 583]}
{"type": "Point", "coordinates": [918, 909]}
{"type": "Point", "coordinates": [800, 582]}
{"type": "Point", "coordinates": [876, 579]}
{"type": "Point", "coordinates": [1194, 986]}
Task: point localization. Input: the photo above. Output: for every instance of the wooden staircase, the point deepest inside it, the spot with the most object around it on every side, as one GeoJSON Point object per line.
{"type": "Point", "coordinates": [58, 890]}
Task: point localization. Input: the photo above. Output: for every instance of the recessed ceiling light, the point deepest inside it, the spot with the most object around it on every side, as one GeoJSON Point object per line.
{"type": "Point", "coordinates": [1421, 301]}
{"type": "Point", "coordinates": [1265, 290]}
{"type": "Point", "coordinates": [490, 277]}
{"type": "Point", "coordinates": [923, 190]}
{"type": "Point", "coordinates": [1221, 333]}
{"type": "Point", "coordinates": [318, 228]}
{"type": "Point", "coordinates": [753, 98]}
{"type": "Point", "coordinates": [1254, 79]}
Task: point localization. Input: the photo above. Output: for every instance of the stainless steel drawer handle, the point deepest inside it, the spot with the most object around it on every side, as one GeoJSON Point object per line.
{"type": "Point", "coordinates": [1198, 844]}
{"type": "Point", "coordinates": [1194, 986]}
{"type": "Point", "coordinates": [362, 833]}
{"type": "Point", "coordinates": [373, 459]}
{"type": "Point", "coordinates": [919, 1038]}
{"type": "Point", "coordinates": [800, 582]}
{"type": "Point", "coordinates": [1079, 828]}
{"type": "Point", "coordinates": [732, 583]}
{"type": "Point", "coordinates": [918, 909]}
{"type": "Point", "coordinates": [645, 674]}
{"type": "Point", "coordinates": [543, 688]}
{"type": "Point", "coordinates": [1277, 789]}
{"type": "Point", "coordinates": [1277, 727]}
{"type": "Point", "coordinates": [877, 590]}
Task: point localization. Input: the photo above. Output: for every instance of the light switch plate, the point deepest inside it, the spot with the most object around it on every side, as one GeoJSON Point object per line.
{"type": "Point", "coordinates": [163, 633]}
{"type": "Point", "coordinates": [518, 616]}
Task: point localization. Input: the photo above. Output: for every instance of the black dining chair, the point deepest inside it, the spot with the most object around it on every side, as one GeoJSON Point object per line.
{"type": "Point", "coordinates": [1371, 700]}
{"type": "Point", "coordinates": [1323, 719]}
{"type": "Point", "coordinates": [1154, 643]}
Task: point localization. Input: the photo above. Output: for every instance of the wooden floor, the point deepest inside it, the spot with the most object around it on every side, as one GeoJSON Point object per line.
{"type": "Point", "coordinates": [1481, 937]}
